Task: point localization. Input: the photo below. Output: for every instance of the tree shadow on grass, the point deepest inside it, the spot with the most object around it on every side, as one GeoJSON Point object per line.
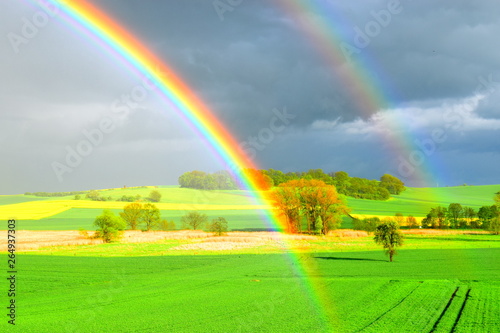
{"type": "Point", "coordinates": [342, 258]}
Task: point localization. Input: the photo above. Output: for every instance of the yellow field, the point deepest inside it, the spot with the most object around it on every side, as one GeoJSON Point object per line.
{"type": "Point", "coordinates": [37, 210]}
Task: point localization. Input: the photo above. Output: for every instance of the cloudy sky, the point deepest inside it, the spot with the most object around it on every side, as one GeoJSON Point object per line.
{"type": "Point", "coordinates": [292, 83]}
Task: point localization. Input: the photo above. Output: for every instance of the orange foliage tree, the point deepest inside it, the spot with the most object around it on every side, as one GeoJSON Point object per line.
{"type": "Point", "coordinates": [318, 202]}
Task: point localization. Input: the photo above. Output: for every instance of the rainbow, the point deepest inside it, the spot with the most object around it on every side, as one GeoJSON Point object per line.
{"type": "Point", "coordinates": [327, 30]}
{"type": "Point", "coordinates": [114, 38]}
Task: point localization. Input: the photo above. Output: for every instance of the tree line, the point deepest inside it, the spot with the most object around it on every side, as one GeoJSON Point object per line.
{"type": "Point", "coordinates": [147, 217]}
{"type": "Point", "coordinates": [266, 179]}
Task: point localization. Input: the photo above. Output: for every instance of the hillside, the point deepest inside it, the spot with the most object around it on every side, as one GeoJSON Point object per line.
{"type": "Point", "coordinates": [65, 213]}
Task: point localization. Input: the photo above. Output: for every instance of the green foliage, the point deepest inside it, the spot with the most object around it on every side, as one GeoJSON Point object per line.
{"type": "Point", "coordinates": [55, 194]}
{"type": "Point", "coordinates": [155, 196]}
{"type": "Point", "coordinates": [218, 226]}
{"type": "Point", "coordinates": [109, 226]}
{"type": "Point", "coordinates": [389, 236]}
{"type": "Point", "coordinates": [495, 224]}
{"type": "Point", "coordinates": [150, 216]}
{"type": "Point", "coordinates": [166, 225]}
{"type": "Point", "coordinates": [130, 198]}
{"type": "Point", "coordinates": [132, 214]}
{"type": "Point", "coordinates": [367, 224]}
{"type": "Point", "coordinates": [220, 180]}
{"type": "Point", "coordinates": [455, 213]}
{"type": "Point", "coordinates": [194, 220]}
{"type": "Point", "coordinates": [392, 184]}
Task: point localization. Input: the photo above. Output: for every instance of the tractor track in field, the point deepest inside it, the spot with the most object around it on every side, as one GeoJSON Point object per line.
{"type": "Point", "coordinates": [388, 310]}
{"type": "Point", "coordinates": [466, 298]}
{"type": "Point", "coordinates": [444, 310]}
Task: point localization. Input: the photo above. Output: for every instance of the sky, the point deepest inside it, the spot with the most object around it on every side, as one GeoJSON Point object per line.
{"type": "Point", "coordinates": [410, 88]}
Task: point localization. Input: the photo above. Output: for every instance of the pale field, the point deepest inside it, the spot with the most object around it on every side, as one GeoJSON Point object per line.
{"type": "Point", "coordinates": [190, 240]}
{"type": "Point", "coordinates": [37, 210]}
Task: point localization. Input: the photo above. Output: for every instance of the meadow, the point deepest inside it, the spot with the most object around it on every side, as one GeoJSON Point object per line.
{"type": "Point", "coordinates": [252, 280]}
{"type": "Point", "coordinates": [238, 207]}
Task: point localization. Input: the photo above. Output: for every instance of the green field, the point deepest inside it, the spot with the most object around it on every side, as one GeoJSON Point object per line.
{"type": "Point", "coordinates": [439, 282]}
{"type": "Point", "coordinates": [423, 290]}
{"type": "Point", "coordinates": [414, 201]}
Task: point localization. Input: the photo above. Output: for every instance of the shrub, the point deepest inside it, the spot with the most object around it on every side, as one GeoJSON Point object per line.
{"type": "Point", "coordinates": [218, 226]}
{"type": "Point", "coordinates": [110, 227]}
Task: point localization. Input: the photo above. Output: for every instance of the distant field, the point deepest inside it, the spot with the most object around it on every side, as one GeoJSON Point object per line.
{"type": "Point", "coordinates": [238, 207]}
{"type": "Point", "coordinates": [419, 201]}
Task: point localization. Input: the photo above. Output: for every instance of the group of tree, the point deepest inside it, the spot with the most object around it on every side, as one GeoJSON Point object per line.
{"type": "Point", "coordinates": [309, 205]}
{"type": "Point", "coordinates": [370, 224]}
{"type": "Point", "coordinates": [200, 180]}
{"type": "Point", "coordinates": [146, 216]}
{"type": "Point", "coordinates": [94, 195]}
{"type": "Point", "coordinates": [265, 179]}
{"type": "Point", "coordinates": [55, 194]}
{"type": "Point", "coordinates": [456, 216]}
{"type": "Point", "coordinates": [198, 221]}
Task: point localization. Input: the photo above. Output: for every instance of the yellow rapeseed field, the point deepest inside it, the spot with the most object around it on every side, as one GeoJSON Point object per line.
{"type": "Point", "coordinates": [36, 210]}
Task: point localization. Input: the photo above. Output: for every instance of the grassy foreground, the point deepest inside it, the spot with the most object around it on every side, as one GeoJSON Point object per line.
{"type": "Point", "coordinates": [423, 290]}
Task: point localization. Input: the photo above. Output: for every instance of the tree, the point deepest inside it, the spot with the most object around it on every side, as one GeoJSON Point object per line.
{"type": "Point", "coordinates": [194, 220]}
{"type": "Point", "coordinates": [320, 204]}
{"type": "Point", "coordinates": [389, 236]}
{"type": "Point", "coordinates": [469, 215]}
{"type": "Point", "coordinates": [218, 226]}
{"type": "Point", "coordinates": [150, 216]}
{"type": "Point", "coordinates": [399, 218]}
{"type": "Point", "coordinates": [110, 226]}
{"type": "Point", "coordinates": [166, 225]}
{"type": "Point", "coordinates": [94, 195]}
{"type": "Point", "coordinates": [287, 202]}
{"type": "Point", "coordinates": [496, 198]}
{"type": "Point", "coordinates": [132, 214]}
{"type": "Point", "coordinates": [495, 225]}
{"type": "Point", "coordinates": [393, 184]}
{"type": "Point", "coordinates": [455, 212]}
{"type": "Point", "coordinates": [411, 222]}
{"type": "Point", "coordinates": [155, 196]}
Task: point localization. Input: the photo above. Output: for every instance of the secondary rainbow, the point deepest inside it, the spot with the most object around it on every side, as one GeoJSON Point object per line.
{"type": "Point", "coordinates": [328, 31]}
{"type": "Point", "coordinates": [113, 37]}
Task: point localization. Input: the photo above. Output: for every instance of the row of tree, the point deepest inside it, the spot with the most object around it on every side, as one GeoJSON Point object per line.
{"type": "Point", "coordinates": [309, 205]}
{"type": "Point", "coordinates": [456, 216]}
{"type": "Point", "coordinates": [154, 196]}
{"type": "Point", "coordinates": [147, 216]}
{"type": "Point", "coordinates": [265, 179]}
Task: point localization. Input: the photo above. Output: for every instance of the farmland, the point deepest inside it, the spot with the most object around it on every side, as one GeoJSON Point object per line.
{"type": "Point", "coordinates": [251, 280]}
{"type": "Point", "coordinates": [423, 290]}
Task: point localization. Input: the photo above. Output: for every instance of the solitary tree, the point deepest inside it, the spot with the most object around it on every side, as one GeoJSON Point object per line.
{"type": "Point", "coordinates": [495, 225]}
{"type": "Point", "coordinates": [389, 236]}
{"type": "Point", "coordinates": [194, 220]}
{"type": "Point", "coordinates": [109, 226]}
{"type": "Point", "coordinates": [411, 222]}
{"type": "Point", "coordinates": [155, 196]}
{"type": "Point", "coordinates": [150, 216]}
{"type": "Point", "coordinates": [132, 214]}
{"type": "Point", "coordinates": [218, 226]}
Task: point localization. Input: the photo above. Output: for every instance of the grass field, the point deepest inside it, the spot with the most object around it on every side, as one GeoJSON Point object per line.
{"type": "Point", "coordinates": [237, 207]}
{"type": "Point", "coordinates": [423, 291]}
{"type": "Point", "coordinates": [187, 281]}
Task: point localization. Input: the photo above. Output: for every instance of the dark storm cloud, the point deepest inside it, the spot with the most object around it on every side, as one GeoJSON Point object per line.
{"type": "Point", "coordinates": [245, 67]}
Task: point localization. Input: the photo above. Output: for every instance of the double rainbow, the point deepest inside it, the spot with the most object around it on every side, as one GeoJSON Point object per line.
{"type": "Point", "coordinates": [123, 45]}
